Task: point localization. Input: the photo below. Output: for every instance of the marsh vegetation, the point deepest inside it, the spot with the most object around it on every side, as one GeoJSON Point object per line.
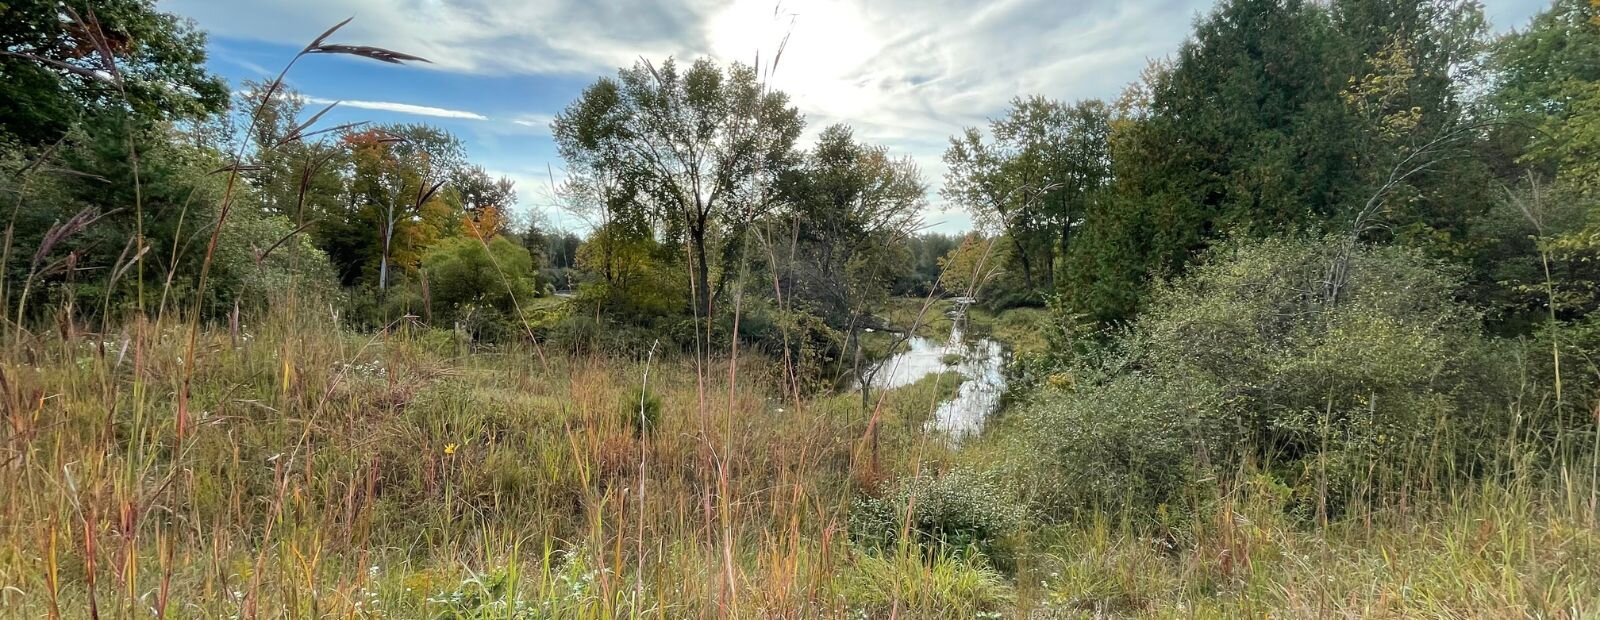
{"type": "Point", "coordinates": [1303, 325]}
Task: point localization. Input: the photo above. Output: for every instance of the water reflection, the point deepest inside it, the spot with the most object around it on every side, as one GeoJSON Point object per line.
{"type": "Point", "coordinates": [980, 362]}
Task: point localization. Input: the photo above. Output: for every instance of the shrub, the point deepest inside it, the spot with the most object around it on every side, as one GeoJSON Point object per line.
{"type": "Point", "coordinates": [242, 273]}
{"type": "Point", "coordinates": [638, 276]}
{"type": "Point", "coordinates": [812, 346]}
{"type": "Point", "coordinates": [479, 286]}
{"type": "Point", "coordinates": [1250, 357]}
{"type": "Point", "coordinates": [1128, 441]}
{"type": "Point", "coordinates": [961, 511]}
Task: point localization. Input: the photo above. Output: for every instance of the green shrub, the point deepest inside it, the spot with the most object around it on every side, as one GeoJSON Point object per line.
{"type": "Point", "coordinates": [1128, 441]}
{"type": "Point", "coordinates": [961, 511]}
{"type": "Point", "coordinates": [1250, 357]}
{"type": "Point", "coordinates": [479, 287]}
{"type": "Point", "coordinates": [367, 308]}
{"type": "Point", "coordinates": [811, 344]}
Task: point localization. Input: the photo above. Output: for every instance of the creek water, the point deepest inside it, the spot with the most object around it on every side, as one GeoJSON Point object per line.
{"type": "Point", "coordinates": [980, 361]}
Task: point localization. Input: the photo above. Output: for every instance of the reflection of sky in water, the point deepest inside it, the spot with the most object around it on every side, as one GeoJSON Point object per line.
{"type": "Point", "coordinates": [980, 367]}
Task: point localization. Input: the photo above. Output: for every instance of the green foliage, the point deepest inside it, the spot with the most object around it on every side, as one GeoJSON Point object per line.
{"type": "Point", "coordinates": [692, 149]}
{"type": "Point", "coordinates": [1252, 358]}
{"type": "Point", "coordinates": [851, 206]}
{"type": "Point", "coordinates": [295, 266]}
{"type": "Point", "coordinates": [1244, 130]}
{"type": "Point", "coordinates": [1276, 117]}
{"type": "Point", "coordinates": [977, 268]}
{"type": "Point", "coordinates": [395, 176]}
{"type": "Point", "coordinates": [636, 279]}
{"type": "Point", "coordinates": [481, 286]}
{"type": "Point", "coordinates": [1535, 65]}
{"type": "Point", "coordinates": [1129, 441]}
{"type": "Point", "coordinates": [494, 595]}
{"type": "Point", "coordinates": [957, 512]}
{"type": "Point", "coordinates": [814, 349]}
{"type": "Point", "coordinates": [169, 196]}
{"type": "Point", "coordinates": [49, 81]}
{"type": "Point", "coordinates": [1046, 163]}
{"type": "Point", "coordinates": [925, 249]}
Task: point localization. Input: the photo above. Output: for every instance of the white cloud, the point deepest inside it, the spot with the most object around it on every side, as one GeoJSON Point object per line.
{"type": "Point", "coordinates": [537, 122]}
{"type": "Point", "coordinates": [400, 108]}
{"type": "Point", "coordinates": [490, 36]}
{"type": "Point", "coordinates": [905, 73]}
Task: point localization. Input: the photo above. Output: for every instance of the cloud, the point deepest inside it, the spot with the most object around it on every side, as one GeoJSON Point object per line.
{"type": "Point", "coordinates": [904, 73]}
{"type": "Point", "coordinates": [485, 36]}
{"type": "Point", "coordinates": [540, 123]}
{"type": "Point", "coordinates": [401, 108]}
{"type": "Point", "coordinates": [537, 198]}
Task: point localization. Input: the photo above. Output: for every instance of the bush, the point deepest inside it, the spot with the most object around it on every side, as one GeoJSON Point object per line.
{"type": "Point", "coordinates": [1250, 358]}
{"type": "Point", "coordinates": [1128, 441]}
{"type": "Point", "coordinates": [959, 512]}
{"type": "Point", "coordinates": [479, 287]}
{"type": "Point", "coordinates": [639, 277]}
{"type": "Point", "coordinates": [811, 345]}
{"type": "Point", "coordinates": [367, 308]}
{"type": "Point", "coordinates": [296, 265]}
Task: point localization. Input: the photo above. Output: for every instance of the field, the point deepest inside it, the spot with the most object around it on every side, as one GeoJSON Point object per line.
{"type": "Point", "coordinates": [1304, 322]}
{"type": "Point", "coordinates": [320, 473]}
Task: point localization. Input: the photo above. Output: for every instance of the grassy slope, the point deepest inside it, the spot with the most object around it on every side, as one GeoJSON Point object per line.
{"type": "Point", "coordinates": [328, 473]}
{"type": "Point", "coordinates": [344, 475]}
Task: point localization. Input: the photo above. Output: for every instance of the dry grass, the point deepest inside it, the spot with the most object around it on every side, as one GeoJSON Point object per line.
{"type": "Point", "coordinates": [1518, 551]}
{"type": "Point", "coordinates": [317, 455]}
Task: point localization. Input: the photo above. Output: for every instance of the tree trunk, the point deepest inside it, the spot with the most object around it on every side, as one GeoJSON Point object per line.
{"type": "Point", "coordinates": [702, 273]}
{"type": "Point", "coordinates": [383, 261]}
{"type": "Point", "coordinates": [1027, 265]}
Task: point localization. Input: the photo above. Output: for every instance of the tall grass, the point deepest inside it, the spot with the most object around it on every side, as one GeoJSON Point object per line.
{"type": "Point", "coordinates": [329, 473]}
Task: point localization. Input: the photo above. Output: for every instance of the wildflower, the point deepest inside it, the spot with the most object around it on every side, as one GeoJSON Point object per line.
{"type": "Point", "coordinates": [449, 448]}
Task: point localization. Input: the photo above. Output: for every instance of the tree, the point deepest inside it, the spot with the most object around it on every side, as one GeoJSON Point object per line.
{"type": "Point", "coordinates": [925, 249]}
{"type": "Point", "coordinates": [63, 61]}
{"type": "Point", "coordinates": [1278, 117]}
{"type": "Point", "coordinates": [696, 150]}
{"type": "Point", "coordinates": [972, 267]}
{"type": "Point", "coordinates": [1533, 67]}
{"type": "Point", "coordinates": [639, 281]}
{"type": "Point", "coordinates": [293, 176]}
{"type": "Point", "coordinates": [1417, 148]}
{"type": "Point", "coordinates": [397, 174]}
{"type": "Point", "coordinates": [852, 207]}
{"type": "Point", "coordinates": [485, 202]}
{"type": "Point", "coordinates": [1046, 162]}
{"type": "Point", "coordinates": [1550, 86]}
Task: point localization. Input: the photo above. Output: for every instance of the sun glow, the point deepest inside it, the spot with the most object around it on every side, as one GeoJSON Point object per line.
{"type": "Point", "coordinates": [826, 46]}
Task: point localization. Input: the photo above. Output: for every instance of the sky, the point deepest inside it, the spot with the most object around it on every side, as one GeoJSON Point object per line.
{"type": "Point", "coordinates": [906, 74]}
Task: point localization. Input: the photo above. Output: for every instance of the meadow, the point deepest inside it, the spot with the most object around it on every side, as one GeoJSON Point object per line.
{"type": "Point", "coordinates": [1302, 325]}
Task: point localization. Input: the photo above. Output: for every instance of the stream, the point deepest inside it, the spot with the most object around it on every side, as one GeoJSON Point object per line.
{"type": "Point", "coordinates": [981, 365]}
